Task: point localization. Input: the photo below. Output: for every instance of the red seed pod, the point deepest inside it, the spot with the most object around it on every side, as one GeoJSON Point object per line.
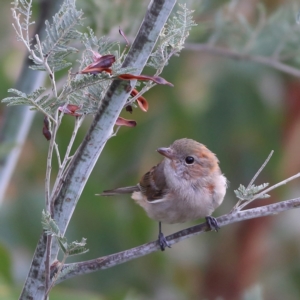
{"type": "Point", "coordinates": [46, 133]}
{"type": "Point", "coordinates": [99, 65]}
{"type": "Point", "coordinates": [142, 102]}
{"type": "Point", "coordinates": [124, 122]}
{"type": "Point", "coordinates": [104, 61]}
{"type": "Point", "coordinates": [46, 122]}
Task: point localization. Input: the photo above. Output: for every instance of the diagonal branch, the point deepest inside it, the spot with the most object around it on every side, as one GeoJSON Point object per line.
{"type": "Point", "coordinates": [112, 260]}
{"type": "Point", "coordinates": [267, 61]}
{"type": "Point", "coordinates": [82, 164]}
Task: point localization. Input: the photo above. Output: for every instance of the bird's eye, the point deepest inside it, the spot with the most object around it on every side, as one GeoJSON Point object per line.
{"type": "Point", "coordinates": [189, 160]}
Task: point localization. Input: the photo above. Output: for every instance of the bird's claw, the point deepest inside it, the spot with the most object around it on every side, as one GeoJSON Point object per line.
{"type": "Point", "coordinates": [162, 241]}
{"type": "Point", "coordinates": [212, 223]}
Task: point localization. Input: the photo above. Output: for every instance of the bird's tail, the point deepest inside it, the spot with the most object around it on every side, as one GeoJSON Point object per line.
{"type": "Point", "coordinates": [118, 191]}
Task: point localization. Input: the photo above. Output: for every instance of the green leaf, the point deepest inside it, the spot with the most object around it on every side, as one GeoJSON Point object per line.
{"type": "Point", "coordinates": [77, 251]}
{"type": "Point", "coordinates": [49, 224]}
{"type": "Point", "coordinates": [63, 244]}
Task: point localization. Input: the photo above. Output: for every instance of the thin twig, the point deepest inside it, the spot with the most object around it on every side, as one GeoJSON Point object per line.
{"type": "Point", "coordinates": [58, 117]}
{"type": "Point", "coordinates": [49, 163]}
{"type": "Point", "coordinates": [260, 169]}
{"type": "Point", "coordinates": [67, 158]}
{"type": "Point", "coordinates": [261, 195]}
{"type": "Point", "coordinates": [19, 31]}
{"type": "Point", "coordinates": [47, 67]}
{"type": "Point", "coordinates": [57, 154]}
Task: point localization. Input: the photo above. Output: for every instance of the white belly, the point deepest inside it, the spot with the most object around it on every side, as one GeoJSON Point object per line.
{"type": "Point", "coordinates": [183, 207]}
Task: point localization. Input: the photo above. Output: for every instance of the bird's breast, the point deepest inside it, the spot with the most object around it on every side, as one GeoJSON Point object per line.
{"type": "Point", "coordinates": [177, 206]}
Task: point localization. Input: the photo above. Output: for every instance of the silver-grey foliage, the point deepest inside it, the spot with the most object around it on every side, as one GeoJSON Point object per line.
{"type": "Point", "coordinates": [60, 34]}
{"type": "Point", "coordinates": [50, 227]}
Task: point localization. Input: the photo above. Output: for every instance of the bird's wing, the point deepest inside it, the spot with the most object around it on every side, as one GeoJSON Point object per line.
{"type": "Point", "coordinates": [122, 190]}
{"type": "Point", "coordinates": [153, 183]}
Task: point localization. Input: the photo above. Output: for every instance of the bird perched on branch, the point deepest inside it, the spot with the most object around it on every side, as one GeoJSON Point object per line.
{"type": "Point", "coordinates": [186, 185]}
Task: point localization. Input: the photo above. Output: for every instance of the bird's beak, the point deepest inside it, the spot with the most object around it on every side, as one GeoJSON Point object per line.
{"type": "Point", "coordinates": [167, 152]}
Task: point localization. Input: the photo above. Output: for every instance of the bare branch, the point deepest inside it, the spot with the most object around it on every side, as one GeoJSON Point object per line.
{"type": "Point", "coordinates": [112, 260]}
{"type": "Point", "coordinates": [260, 169]}
{"type": "Point", "coordinates": [267, 61]}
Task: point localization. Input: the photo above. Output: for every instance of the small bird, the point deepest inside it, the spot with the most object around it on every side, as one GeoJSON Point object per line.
{"type": "Point", "coordinates": [186, 185]}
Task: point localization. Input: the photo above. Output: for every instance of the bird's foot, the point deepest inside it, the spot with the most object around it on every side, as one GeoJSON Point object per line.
{"type": "Point", "coordinates": [212, 223]}
{"type": "Point", "coordinates": [162, 241]}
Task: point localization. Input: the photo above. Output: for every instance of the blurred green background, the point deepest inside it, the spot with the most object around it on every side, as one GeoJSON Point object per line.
{"type": "Point", "coordinates": [240, 110]}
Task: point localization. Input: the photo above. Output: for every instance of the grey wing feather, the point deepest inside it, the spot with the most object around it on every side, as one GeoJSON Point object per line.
{"type": "Point", "coordinates": [122, 190]}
